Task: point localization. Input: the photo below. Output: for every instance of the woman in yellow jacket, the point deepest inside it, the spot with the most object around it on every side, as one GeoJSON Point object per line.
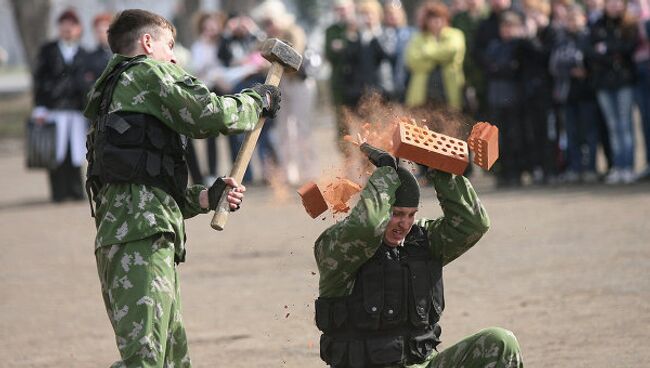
{"type": "Point", "coordinates": [434, 57]}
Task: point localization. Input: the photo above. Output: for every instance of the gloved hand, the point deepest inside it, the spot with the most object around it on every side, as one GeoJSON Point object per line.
{"type": "Point", "coordinates": [378, 157]}
{"type": "Point", "coordinates": [271, 98]}
{"type": "Point", "coordinates": [234, 198]}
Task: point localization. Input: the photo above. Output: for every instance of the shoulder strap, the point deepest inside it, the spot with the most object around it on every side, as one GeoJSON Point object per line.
{"type": "Point", "coordinates": [111, 82]}
{"type": "Point", "coordinates": [106, 97]}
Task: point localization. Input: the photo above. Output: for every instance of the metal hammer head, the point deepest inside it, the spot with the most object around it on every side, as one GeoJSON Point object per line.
{"type": "Point", "coordinates": [279, 52]}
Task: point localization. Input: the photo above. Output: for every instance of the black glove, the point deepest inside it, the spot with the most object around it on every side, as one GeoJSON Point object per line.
{"type": "Point", "coordinates": [215, 191]}
{"type": "Point", "coordinates": [270, 99]}
{"type": "Point", "coordinates": [378, 157]}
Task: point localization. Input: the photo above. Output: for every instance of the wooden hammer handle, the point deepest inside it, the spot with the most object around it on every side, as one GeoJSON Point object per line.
{"type": "Point", "coordinates": [244, 156]}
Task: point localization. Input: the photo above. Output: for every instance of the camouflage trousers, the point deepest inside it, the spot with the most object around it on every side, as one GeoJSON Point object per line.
{"type": "Point", "coordinates": [489, 348]}
{"type": "Point", "coordinates": [140, 289]}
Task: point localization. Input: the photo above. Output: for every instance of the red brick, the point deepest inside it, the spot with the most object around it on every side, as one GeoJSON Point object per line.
{"type": "Point", "coordinates": [312, 199]}
{"type": "Point", "coordinates": [426, 147]}
{"type": "Point", "coordinates": [484, 142]}
{"type": "Point", "coordinates": [339, 192]}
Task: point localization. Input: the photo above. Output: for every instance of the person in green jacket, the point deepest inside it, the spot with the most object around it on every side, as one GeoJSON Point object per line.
{"type": "Point", "coordinates": [435, 57]}
{"type": "Point", "coordinates": [380, 286]}
{"type": "Point", "coordinates": [142, 108]}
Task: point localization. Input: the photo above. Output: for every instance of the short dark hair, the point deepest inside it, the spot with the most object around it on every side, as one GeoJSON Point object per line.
{"type": "Point", "coordinates": [130, 24]}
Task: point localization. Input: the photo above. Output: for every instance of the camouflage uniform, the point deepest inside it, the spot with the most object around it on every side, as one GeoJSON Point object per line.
{"type": "Point", "coordinates": [140, 229]}
{"type": "Point", "coordinates": [343, 248]}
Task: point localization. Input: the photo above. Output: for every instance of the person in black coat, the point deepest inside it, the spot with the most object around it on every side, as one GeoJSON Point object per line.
{"type": "Point", "coordinates": [98, 58]}
{"type": "Point", "coordinates": [613, 40]}
{"type": "Point", "coordinates": [59, 95]}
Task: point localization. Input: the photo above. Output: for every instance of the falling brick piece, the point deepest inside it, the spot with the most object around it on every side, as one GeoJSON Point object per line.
{"type": "Point", "coordinates": [339, 192]}
{"type": "Point", "coordinates": [430, 148]}
{"type": "Point", "coordinates": [484, 142]}
{"type": "Point", "coordinates": [312, 199]}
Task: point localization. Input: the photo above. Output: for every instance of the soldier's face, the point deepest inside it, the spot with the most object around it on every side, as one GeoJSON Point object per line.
{"type": "Point", "coordinates": [399, 225]}
{"type": "Point", "coordinates": [160, 46]}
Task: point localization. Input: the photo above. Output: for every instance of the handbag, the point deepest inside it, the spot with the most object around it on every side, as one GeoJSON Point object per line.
{"type": "Point", "coordinates": [40, 145]}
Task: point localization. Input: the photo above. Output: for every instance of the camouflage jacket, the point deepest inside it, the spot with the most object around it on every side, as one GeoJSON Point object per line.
{"type": "Point", "coordinates": [344, 247]}
{"type": "Point", "coordinates": [130, 212]}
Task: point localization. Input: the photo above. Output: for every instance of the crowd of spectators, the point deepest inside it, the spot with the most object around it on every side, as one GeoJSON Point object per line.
{"type": "Point", "coordinates": [558, 78]}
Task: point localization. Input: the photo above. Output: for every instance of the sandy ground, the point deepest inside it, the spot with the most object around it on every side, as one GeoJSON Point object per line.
{"type": "Point", "coordinates": [567, 269]}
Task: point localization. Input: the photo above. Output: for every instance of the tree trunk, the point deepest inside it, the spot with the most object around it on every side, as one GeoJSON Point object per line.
{"type": "Point", "coordinates": [32, 18]}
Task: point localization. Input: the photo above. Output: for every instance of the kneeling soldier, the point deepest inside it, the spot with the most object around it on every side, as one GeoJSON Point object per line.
{"type": "Point", "coordinates": [380, 288]}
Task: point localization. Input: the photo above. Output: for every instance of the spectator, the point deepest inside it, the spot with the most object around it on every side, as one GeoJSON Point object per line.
{"type": "Point", "coordinates": [245, 67]}
{"type": "Point", "coordinates": [642, 60]}
{"type": "Point", "coordinates": [59, 92]}
{"type": "Point", "coordinates": [474, 91]}
{"type": "Point", "coordinates": [613, 40]}
{"type": "Point", "coordinates": [576, 97]}
{"type": "Point", "coordinates": [503, 74]}
{"type": "Point", "coordinates": [435, 58]}
{"type": "Point", "coordinates": [98, 59]}
{"type": "Point", "coordinates": [594, 10]}
{"type": "Point", "coordinates": [207, 67]}
{"type": "Point", "coordinates": [393, 40]}
{"type": "Point", "coordinates": [337, 37]}
{"type": "Point", "coordinates": [364, 55]}
{"type": "Point", "coordinates": [488, 29]}
{"type": "Point", "coordinates": [539, 157]}
{"type": "Point", "coordinates": [296, 155]}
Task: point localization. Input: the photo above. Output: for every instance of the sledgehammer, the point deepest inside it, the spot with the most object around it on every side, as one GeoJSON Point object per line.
{"type": "Point", "coordinates": [282, 57]}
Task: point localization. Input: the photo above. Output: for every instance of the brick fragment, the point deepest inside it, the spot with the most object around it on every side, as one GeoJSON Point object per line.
{"type": "Point", "coordinates": [429, 148]}
{"type": "Point", "coordinates": [339, 192]}
{"type": "Point", "coordinates": [312, 199]}
{"type": "Point", "coordinates": [484, 142]}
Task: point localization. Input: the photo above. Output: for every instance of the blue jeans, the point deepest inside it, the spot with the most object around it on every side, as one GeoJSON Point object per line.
{"type": "Point", "coordinates": [643, 101]}
{"type": "Point", "coordinates": [582, 133]}
{"type": "Point", "coordinates": [617, 108]}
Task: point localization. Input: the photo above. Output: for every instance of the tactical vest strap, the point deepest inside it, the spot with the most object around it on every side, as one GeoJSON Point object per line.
{"type": "Point", "coordinates": [92, 185]}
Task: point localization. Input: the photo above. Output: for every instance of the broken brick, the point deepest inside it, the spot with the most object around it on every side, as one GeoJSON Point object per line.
{"type": "Point", "coordinates": [429, 148]}
{"type": "Point", "coordinates": [484, 142]}
{"type": "Point", "coordinates": [312, 199]}
{"type": "Point", "coordinates": [339, 192]}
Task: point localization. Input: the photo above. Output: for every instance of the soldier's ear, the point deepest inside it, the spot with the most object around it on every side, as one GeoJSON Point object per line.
{"type": "Point", "coordinates": [146, 42]}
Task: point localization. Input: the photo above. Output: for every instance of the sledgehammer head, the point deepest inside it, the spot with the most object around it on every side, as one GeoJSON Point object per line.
{"type": "Point", "coordinates": [279, 52]}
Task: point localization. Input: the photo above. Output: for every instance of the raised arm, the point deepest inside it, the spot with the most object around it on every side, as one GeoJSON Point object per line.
{"type": "Point", "coordinates": [198, 113]}
{"type": "Point", "coordinates": [344, 247]}
{"type": "Point", "coordinates": [464, 219]}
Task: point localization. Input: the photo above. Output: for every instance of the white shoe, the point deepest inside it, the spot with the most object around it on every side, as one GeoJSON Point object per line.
{"type": "Point", "coordinates": [614, 177]}
{"type": "Point", "coordinates": [628, 176]}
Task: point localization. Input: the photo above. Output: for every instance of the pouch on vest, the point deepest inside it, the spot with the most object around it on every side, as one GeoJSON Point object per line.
{"type": "Point", "coordinates": [385, 350]}
{"type": "Point", "coordinates": [421, 293]}
{"type": "Point", "coordinates": [395, 284]}
{"type": "Point", "coordinates": [368, 315]}
{"type": "Point", "coordinates": [420, 346]}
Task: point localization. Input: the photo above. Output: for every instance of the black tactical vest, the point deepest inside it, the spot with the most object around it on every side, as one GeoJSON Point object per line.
{"type": "Point", "coordinates": [391, 317]}
{"type": "Point", "coordinates": [135, 148]}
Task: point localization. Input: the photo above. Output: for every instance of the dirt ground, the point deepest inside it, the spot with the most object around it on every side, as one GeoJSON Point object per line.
{"type": "Point", "coordinates": [566, 269]}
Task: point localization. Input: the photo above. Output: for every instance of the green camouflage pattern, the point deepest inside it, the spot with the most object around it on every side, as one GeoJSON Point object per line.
{"type": "Point", "coordinates": [492, 347]}
{"type": "Point", "coordinates": [344, 247]}
{"type": "Point", "coordinates": [131, 212]}
{"type": "Point", "coordinates": [140, 289]}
